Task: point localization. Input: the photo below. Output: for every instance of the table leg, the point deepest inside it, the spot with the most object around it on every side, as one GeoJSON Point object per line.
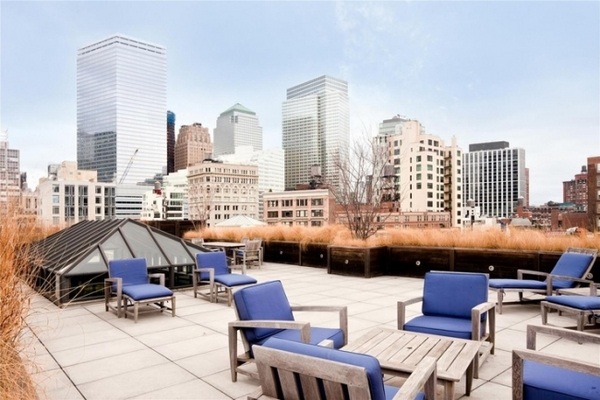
{"type": "Point", "coordinates": [469, 379]}
{"type": "Point", "coordinates": [448, 390]}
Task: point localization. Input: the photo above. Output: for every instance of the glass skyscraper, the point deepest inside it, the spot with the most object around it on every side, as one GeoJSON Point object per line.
{"type": "Point", "coordinates": [315, 128]}
{"type": "Point", "coordinates": [121, 106]}
{"type": "Point", "coordinates": [237, 126]}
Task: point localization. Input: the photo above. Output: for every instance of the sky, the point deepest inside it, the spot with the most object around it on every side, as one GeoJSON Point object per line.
{"type": "Point", "coordinates": [525, 72]}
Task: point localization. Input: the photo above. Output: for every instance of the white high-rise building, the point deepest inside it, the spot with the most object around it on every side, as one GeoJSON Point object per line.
{"type": "Point", "coordinates": [237, 126]}
{"type": "Point", "coordinates": [316, 126]}
{"type": "Point", "coordinates": [121, 106]}
{"type": "Point", "coordinates": [494, 177]}
{"type": "Point", "coordinates": [10, 175]}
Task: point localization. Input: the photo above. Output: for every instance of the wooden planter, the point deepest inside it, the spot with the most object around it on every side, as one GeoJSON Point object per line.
{"type": "Point", "coordinates": [357, 261]}
{"type": "Point", "coordinates": [282, 252]}
{"type": "Point", "coordinates": [314, 255]}
{"type": "Point", "coordinates": [415, 261]}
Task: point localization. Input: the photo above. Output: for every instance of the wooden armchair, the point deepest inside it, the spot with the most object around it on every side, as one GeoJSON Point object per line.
{"type": "Point", "coordinates": [537, 375]}
{"type": "Point", "coordinates": [293, 370]}
{"type": "Point", "coordinates": [263, 311]}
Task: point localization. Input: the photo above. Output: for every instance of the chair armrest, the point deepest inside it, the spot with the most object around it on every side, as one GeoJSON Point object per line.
{"type": "Point", "coordinates": [341, 310]}
{"type": "Point", "coordinates": [578, 336]}
{"type": "Point", "coordinates": [197, 271]}
{"type": "Point", "coordinates": [160, 276]}
{"type": "Point", "coordinates": [424, 376]}
{"type": "Point", "coordinates": [571, 278]}
{"type": "Point", "coordinates": [118, 281]}
{"type": "Point", "coordinates": [521, 272]}
{"type": "Point", "coordinates": [476, 313]}
{"type": "Point", "coordinates": [402, 310]}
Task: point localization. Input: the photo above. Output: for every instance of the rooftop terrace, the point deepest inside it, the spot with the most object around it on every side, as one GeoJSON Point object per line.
{"type": "Point", "coordinates": [83, 352]}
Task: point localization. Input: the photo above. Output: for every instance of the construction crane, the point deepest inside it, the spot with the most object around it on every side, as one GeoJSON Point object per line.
{"type": "Point", "coordinates": [128, 167]}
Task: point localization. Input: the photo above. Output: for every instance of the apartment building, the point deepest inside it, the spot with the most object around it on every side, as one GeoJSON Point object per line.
{"type": "Point", "coordinates": [575, 191]}
{"type": "Point", "coordinates": [314, 207]}
{"type": "Point", "coordinates": [69, 196]}
{"type": "Point", "coordinates": [218, 191]}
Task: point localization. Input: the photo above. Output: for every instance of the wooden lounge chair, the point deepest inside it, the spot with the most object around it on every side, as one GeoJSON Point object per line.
{"type": "Point", "coordinates": [542, 376]}
{"type": "Point", "coordinates": [293, 370]}
{"type": "Point", "coordinates": [572, 266]}
{"type": "Point", "coordinates": [585, 308]}
{"type": "Point", "coordinates": [263, 311]}
{"type": "Point", "coordinates": [454, 304]}
{"type": "Point", "coordinates": [129, 283]}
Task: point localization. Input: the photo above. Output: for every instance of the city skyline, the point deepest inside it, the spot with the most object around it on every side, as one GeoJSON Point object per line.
{"type": "Point", "coordinates": [523, 72]}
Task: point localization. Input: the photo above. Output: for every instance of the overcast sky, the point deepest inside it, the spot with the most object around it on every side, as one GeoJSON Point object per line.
{"type": "Point", "coordinates": [526, 72]}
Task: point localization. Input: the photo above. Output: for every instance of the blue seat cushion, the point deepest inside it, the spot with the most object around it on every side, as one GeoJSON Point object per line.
{"type": "Point", "coordinates": [444, 326]}
{"type": "Point", "coordinates": [146, 291]}
{"type": "Point", "coordinates": [517, 284]}
{"type": "Point", "coordinates": [578, 302]}
{"type": "Point", "coordinates": [317, 335]}
{"type": "Point", "coordinates": [546, 382]}
{"type": "Point", "coordinates": [453, 294]}
{"type": "Point", "coordinates": [234, 279]}
{"type": "Point", "coordinates": [263, 301]}
{"type": "Point", "coordinates": [369, 363]}
{"type": "Point", "coordinates": [570, 264]}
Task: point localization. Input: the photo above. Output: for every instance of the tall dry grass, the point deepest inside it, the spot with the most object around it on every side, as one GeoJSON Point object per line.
{"type": "Point", "coordinates": [15, 275]}
{"type": "Point", "coordinates": [511, 239]}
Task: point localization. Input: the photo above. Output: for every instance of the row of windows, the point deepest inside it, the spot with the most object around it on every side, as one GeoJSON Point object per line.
{"type": "Point", "coordinates": [299, 202]}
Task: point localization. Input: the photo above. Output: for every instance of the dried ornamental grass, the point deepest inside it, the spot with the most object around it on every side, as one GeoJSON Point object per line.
{"type": "Point", "coordinates": [510, 239]}
{"type": "Point", "coordinates": [15, 234]}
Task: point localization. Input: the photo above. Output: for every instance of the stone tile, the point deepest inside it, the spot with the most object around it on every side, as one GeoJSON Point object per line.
{"type": "Point", "coordinates": [97, 351]}
{"type": "Point", "coordinates": [209, 363]}
{"type": "Point", "coordinates": [81, 336]}
{"type": "Point", "coordinates": [222, 381]}
{"type": "Point", "coordinates": [110, 366]}
{"type": "Point", "coordinates": [174, 335]}
{"type": "Point", "coordinates": [136, 382]}
{"type": "Point", "coordinates": [199, 345]}
{"type": "Point", "coordinates": [191, 390]}
{"type": "Point", "coordinates": [54, 385]}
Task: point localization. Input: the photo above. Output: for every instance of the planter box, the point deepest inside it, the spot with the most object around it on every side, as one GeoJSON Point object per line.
{"type": "Point", "coordinates": [314, 255]}
{"type": "Point", "coordinates": [497, 263]}
{"type": "Point", "coordinates": [357, 261]}
{"type": "Point", "coordinates": [282, 252]}
{"type": "Point", "coordinates": [415, 261]}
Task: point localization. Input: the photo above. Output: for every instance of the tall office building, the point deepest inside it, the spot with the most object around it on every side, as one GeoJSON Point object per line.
{"type": "Point", "coordinates": [10, 175]}
{"type": "Point", "coordinates": [193, 146]}
{"type": "Point", "coordinates": [316, 126]}
{"type": "Point", "coordinates": [495, 178]}
{"type": "Point", "coordinates": [121, 105]}
{"type": "Point", "coordinates": [236, 126]}
{"type": "Point", "coordinates": [170, 142]}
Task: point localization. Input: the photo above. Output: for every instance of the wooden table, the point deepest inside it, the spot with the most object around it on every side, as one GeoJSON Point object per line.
{"type": "Point", "coordinates": [225, 246]}
{"type": "Point", "coordinates": [399, 352]}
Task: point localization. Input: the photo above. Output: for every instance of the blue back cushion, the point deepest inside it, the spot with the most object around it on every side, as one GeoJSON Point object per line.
{"type": "Point", "coordinates": [212, 259]}
{"type": "Point", "coordinates": [262, 301]}
{"type": "Point", "coordinates": [548, 382]}
{"type": "Point", "coordinates": [369, 363]}
{"type": "Point", "coordinates": [133, 271]}
{"type": "Point", "coordinates": [453, 294]}
{"type": "Point", "coordinates": [570, 264]}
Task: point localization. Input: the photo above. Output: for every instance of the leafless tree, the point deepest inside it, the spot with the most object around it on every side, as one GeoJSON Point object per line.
{"type": "Point", "coordinates": [365, 193]}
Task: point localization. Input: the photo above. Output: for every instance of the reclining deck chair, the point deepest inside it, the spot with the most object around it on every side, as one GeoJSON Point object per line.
{"type": "Point", "coordinates": [212, 270]}
{"type": "Point", "coordinates": [542, 376]}
{"type": "Point", "coordinates": [129, 281]}
{"type": "Point", "coordinates": [572, 266]}
{"type": "Point", "coordinates": [454, 304]}
{"type": "Point", "coordinates": [585, 308]}
{"type": "Point", "coordinates": [294, 370]}
{"type": "Point", "coordinates": [263, 311]}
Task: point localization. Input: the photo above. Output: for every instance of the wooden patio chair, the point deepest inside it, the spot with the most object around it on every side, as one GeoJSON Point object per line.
{"type": "Point", "coordinates": [585, 308]}
{"type": "Point", "coordinates": [293, 370]}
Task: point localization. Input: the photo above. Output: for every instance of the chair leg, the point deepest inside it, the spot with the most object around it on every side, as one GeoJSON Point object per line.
{"type": "Point", "coordinates": [136, 307]}
{"type": "Point", "coordinates": [173, 306]}
{"type": "Point", "coordinates": [499, 303]}
{"type": "Point", "coordinates": [544, 314]}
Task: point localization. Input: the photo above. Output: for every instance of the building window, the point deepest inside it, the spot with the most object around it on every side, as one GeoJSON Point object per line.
{"type": "Point", "coordinates": [273, 214]}
{"type": "Point", "coordinates": [287, 214]}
